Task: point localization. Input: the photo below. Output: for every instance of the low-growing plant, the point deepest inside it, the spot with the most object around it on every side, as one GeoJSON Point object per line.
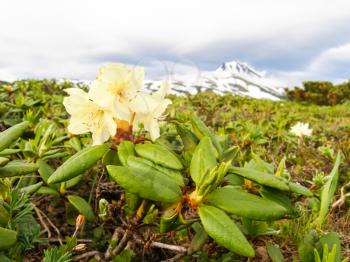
{"type": "Point", "coordinates": [127, 176]}
{"type": "Point", "coordinates": [196, 183]}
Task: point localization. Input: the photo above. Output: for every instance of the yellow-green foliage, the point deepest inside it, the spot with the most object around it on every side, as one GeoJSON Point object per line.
{"type": "Point", "coordinates": [321, 93]}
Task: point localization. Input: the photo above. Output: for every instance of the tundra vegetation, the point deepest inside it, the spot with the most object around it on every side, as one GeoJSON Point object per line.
{"type": "Point", "coordinates": [110, 173]}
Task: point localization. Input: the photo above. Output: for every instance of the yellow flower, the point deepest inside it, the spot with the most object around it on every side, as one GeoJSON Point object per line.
{"type": "Point", "coordinates": [113, 98]}
{"type": "Point", "coordinates": [88, 116]}
{"type": "Point", "coordinates": [115, 86]}
{"type": "Point", "coordinates": [149, 110]}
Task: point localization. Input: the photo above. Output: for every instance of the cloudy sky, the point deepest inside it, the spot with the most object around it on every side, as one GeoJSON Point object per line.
{"type": "Point", "coordinates": [290, 40]}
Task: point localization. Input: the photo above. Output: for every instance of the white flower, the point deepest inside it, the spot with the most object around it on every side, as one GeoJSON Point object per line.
{"type": "Point", "coordinates": [301, 129]}
{"type": "Point", "coordinates": [115, 86]}
{"type": "Point", "coordinates": [149, 110]}
{"type": "Point", "coordinates": [88, 116]}
{"type": "Point", "coordinates": [115, 98]}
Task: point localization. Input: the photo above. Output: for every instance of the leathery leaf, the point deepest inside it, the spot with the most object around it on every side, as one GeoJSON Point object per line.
{"type": "Point", "coordinates": [224, 231]}
{"type": "Point", "coordinates": [245, 204]}
{"type": "Point", "coordinates": [11, 134]}
{"type": "Point", "coordinates": [82, 206]}
{"type": "Point", "coordinates": [260, 177]}
{"type": "Point", "coordinates": [78, 163]}
{"type": "Point", "coordinates": [146, 183]}
{"type": "Point", "coordinates": [159, 155]}
{"type": "Point", "coordinates": [203, 160]}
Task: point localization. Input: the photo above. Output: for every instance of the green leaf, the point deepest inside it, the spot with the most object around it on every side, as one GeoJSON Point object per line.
{"type": "Point", "coordinates": [332, 240]}
{"type": "Point", "coordinates": [7, 238]}
{"type": "Point", "coordinates": [234, 180]}
{"type": "Point", "coordinates": [45, 170]}
{"type": "Point", "coordinates": [261, 165]}
{"type": "Point", "coordinates": [125, 256]}
{"type": "Point", "coordinates": [203, 160]}
{"type": "Point", "coordinates": [132, 202]}
{"type": "Point", "coordinates": [111, 158]}
{"type": "Point", "coordinates": [146, 182]}
{"type": "Point", "coordinates": [328, 191]}
{"type": "Point", "coordinates": [3, 161]}
{"type": "Point", "coordinates": [4, 216]}
{"type": "Point", "coordinates": [11, 134]}
{"type": "Point", "coordinates": [75, 143]}
{"type": "Point", "coordinates": [78, 163]}
{"type": "Point", "coordinates": [280, 197]}
{"type": "Point", "coordinates": [230, 153]}
{"type": "Point", "coordinates": [82, 206]}
{"type": "Point", "coordinates": [245, 204]}
{"type": "Point", "coordinates": [224, 231]}
{"type": "Point", "coordinates": [4, 258]}
{"type": "Point", "coordinates": [172, 174]}
{"type": "Point", "coordinates": [103, 209]}
{"type": "Point", "coordinates": [260, 177]}
{"type": "Point", "coordinates": [159, 155]}
{"type": "Point", "coordinates": [17, 168]}
{"type": "Point", "coordinates": [44, 190]}
{"type": "Point", "coordinates": [299, 189]}
{"type": "Point", "coordinates": [138, 162]}
{"type": "Point", "coordinates": [199, 239]}
{"type": "Point", "coordinates": [189, 140]}
{"type": "Point", "coordinates": [307, 245]}
{"type": "Point", "coordinates": [274, 253]}
{"type": "Point", "coordinates": [256, 228]}
{"type": "Point", "coordinates": [31, 188]}
{"type": "Point", "coordinates": [201, 130]}
{"type": "Point", "coordinates": [73, 182]}
{"type": "Point", "coordinates": [169, 219]}
{"type": "Point", "coordinates": [281, 168]}
{"type": "Point", "coordinates": [125, 149]}
{"type": "Point", "coordinates": [55, 156]}
{"type": "Point", "coordinates": [9, 151]}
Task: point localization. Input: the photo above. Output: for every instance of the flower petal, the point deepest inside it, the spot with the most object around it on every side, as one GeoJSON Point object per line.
{"type": "Point", "coordinates": [76, 127]}
{"type": "Point", "coordinates": [98, 92]}
{"type": "Point", "coordinates": [99, 136]}
{"type": "Point", "coordinates": [153, 129]}
{"type": "Point", "coordinates": [109, 123]}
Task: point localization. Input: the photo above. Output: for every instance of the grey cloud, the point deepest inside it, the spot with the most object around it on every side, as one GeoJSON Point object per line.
{"type": "Point", "coordinates": [283, 51]}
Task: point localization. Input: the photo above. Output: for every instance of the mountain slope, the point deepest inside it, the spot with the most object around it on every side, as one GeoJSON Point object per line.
{"type": "Point", "coordinates": [231, 77]}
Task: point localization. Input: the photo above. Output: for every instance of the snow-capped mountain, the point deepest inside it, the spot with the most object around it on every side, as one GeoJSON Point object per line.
{"type": "Point", "coordinates": [232, 77]}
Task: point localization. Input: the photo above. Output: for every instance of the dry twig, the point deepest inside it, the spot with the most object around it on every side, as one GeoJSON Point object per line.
{"type": "Point", "coordinates": [51, 224]}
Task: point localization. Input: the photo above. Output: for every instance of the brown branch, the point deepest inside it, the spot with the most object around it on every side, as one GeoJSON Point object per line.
{"type": "Point", "coordinates": [52, 225]}
{"type": "Point", "coordinates": [79, 240]}
{"type": "Point", "coordinates": [169, 247]}
{"type": "Point", "coordinates": [343, 196]}
{"type": "Point", "coordinates": [123, 242]}
{"type": "Point", "coordinates": [163, 246]}
{"type": "Point", "coordinates": [85, 255]}
{"type": "Point", "coordinates": [42, 222]}
{"type": "Point", "coordinates": [115, 237]}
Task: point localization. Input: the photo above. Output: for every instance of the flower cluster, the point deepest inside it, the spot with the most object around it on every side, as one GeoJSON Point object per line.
{"type": "Point", "coordinates": [115, 97]}
{"type": "Point", "coordinates": [301, 129]}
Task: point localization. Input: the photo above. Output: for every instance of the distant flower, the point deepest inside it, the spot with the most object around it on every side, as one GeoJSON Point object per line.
{"type": "Point", "coordinates": [149, 109]}
{"type": "Point", "coordinates": [87, 116]}
{"type": "Point", "coordinates": [115, 86]}
{"type": "Point", "coordinates": [301, 129]}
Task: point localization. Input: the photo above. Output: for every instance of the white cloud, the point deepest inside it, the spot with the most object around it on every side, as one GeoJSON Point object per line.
{"type": "Point", "coordinates": [331, 64]}
{"type": "Point", "coordinates": [330, 58]}
{"type": "Point", "coordinates": [67, 38]}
